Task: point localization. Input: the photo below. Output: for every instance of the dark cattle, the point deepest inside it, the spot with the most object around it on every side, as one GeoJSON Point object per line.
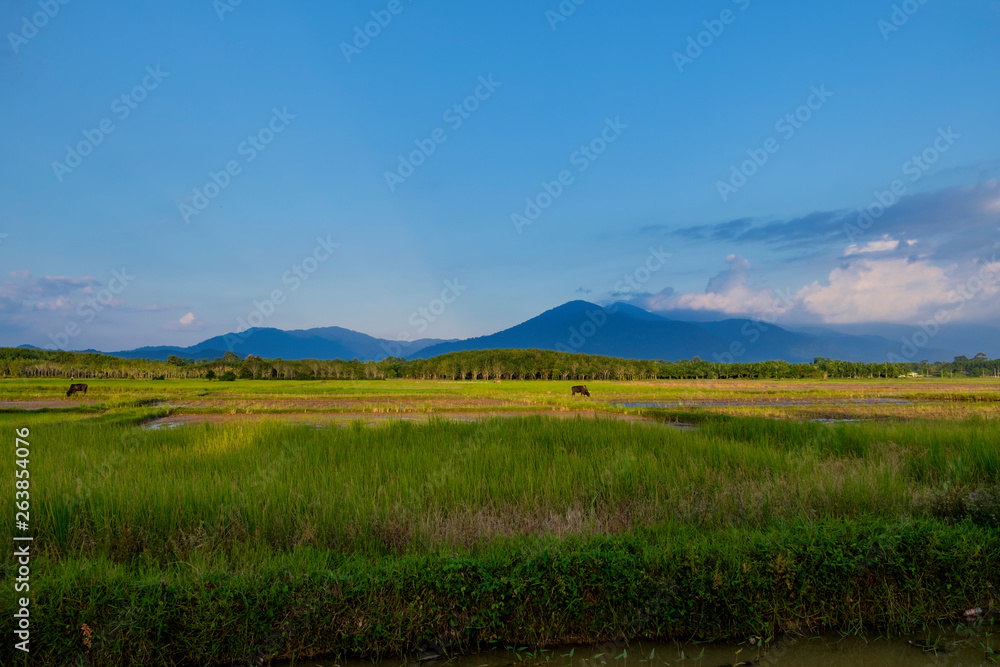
{"type": "Point", "coordinates": [73, 388]}
{"type": "Point", "coordinates": [580, 389]}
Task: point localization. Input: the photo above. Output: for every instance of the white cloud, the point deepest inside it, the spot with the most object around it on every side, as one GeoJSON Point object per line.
{"type": "Point", "coordinates": [866, 288]}
{"type": "Point", "coordinates": [45, 293]}
{"type": "Point", "coordinates": [59, 303]}
{"type": "Point", "coordinates": [878, 290]}
{"type": "Point", "coordinates": [729, 292]}
{"type": "Point", "coordinates": [885, 244]}
{"type": "Point", "coordinates": [186, 323]}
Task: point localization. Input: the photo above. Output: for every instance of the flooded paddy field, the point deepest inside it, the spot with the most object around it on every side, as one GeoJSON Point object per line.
{"type": "Point", "coordinates": [343, 418]}
{"type": "Point", "coordinates": [905, 398]}
{"type": "Point", "coordinates": [971, 647]}
{"type": "Point", "coordinates": [249, 522]}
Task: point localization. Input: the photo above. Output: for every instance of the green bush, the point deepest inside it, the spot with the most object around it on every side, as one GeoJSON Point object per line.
{"type": "Point", "coordinates": [687, 584]}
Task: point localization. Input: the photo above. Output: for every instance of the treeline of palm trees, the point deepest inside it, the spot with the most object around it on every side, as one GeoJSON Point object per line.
{"type": "Point", "coordinates": [470, 365]}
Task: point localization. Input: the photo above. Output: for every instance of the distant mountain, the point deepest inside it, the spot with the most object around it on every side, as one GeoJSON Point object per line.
{"type": "Point", "coordinates": [948, 340]}
{"type": "Point", "coordinates": [620, 330]}
{"type": "Point", "coordinates": [320, 343]}
{"type": "Point", "coordinates": [634, 333]}
{"type": "Point", "coordinates": [762, 341]}
{"type": "Point", "coordinates": [579, 326]}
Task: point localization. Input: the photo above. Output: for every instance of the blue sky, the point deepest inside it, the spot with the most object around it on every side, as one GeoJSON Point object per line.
{"type": "Point", "coordinates": [670, 119]}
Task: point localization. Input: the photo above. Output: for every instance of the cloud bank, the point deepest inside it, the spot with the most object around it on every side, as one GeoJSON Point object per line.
{"type": "Point", "coordinates": [873, 284]}
{"type": "Point", "coordinates": [928, 254]}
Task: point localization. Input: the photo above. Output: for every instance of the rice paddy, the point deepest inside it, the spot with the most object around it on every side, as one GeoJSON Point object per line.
{"type": "Point", "coordinates": [360, 500]}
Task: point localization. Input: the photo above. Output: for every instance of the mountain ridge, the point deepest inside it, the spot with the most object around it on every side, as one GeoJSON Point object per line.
{"type": "Point", "coordinates": [618, 330]}
{"type": "Point", "coordinates": [295, 344]}
{"type": "Point", "coordinates": [624, 330]}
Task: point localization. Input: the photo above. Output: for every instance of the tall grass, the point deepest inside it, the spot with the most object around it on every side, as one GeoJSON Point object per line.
{"type": "Point", "coordinates": [238, 542]}
{"type": "Point", "coordinates": [105, 488]}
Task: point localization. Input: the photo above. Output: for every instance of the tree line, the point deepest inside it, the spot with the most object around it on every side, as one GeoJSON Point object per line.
{"type": "Point", "coordinates": [506, 364]}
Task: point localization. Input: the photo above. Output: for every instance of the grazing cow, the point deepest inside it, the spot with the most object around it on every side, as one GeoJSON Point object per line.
{"type": "Point", "coordinates": [73, 388]}
{"type": "Point", "coordinates": [580, 389]}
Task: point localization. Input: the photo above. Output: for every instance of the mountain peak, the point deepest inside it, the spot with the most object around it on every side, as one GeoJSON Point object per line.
{"type": "Point", "coordinates": [618, 330]}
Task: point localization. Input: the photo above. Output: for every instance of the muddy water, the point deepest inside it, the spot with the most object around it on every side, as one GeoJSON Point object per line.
{"type": "Point", "coordinates": [341, 418]}
{"type": "Point", "coordinates": [758, 402]}
{"type": "Point", "coordinates": [955, 651]}
{"type": "Point", "coordinates": [51, 403]}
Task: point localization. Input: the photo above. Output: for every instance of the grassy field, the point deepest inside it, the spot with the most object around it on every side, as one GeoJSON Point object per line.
{"type": "Point", "coordinates": [916, 398]}
{"type": "Point", "coordinates": [120, 492]}
{"type": "Point", "coordinates": [188, 522]}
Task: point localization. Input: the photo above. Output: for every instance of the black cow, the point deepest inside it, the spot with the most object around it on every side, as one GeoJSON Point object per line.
{"type": "Point", "coordinates": [73, 388]}
{"type": "Point", "coordinates": [580, 389]}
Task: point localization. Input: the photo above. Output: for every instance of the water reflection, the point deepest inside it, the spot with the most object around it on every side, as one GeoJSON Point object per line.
{"type": "Point", "coordinates": [963, 649]}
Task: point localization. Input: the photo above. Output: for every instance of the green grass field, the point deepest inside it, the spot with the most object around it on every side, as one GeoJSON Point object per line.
{"type": "Point", "coordinates": [247, 533]}
{"type": "Point", "coordinates": [912, 398]}
{"type": "Point", "coordinates": [111, 490]}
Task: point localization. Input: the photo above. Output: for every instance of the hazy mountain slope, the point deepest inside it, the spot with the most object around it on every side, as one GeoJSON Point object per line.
{"type": "Point", "coordinates": [321, 343]}
{"type": "Point", "coordinates": [579, 326]}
